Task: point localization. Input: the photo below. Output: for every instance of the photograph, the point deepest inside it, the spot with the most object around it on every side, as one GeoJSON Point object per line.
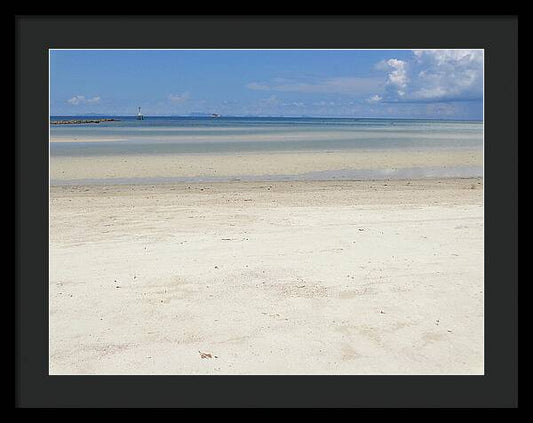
{"type": "Point", "coordinates": [266, 212]}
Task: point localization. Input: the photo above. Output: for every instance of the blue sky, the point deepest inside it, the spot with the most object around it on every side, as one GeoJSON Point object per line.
{"type": "Point", "coordinates": [443, 84]}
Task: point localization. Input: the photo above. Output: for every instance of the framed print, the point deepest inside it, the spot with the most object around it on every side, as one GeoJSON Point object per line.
{"type": "Point", "coordinates": [289, 218]}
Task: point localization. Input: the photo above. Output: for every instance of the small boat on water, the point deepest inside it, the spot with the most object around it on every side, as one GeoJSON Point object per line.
{"type": "Point", "coordinates": [215, 115]}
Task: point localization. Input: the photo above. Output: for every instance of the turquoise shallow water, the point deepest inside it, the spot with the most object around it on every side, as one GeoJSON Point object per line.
{"type": "Point", "coordinates": [225, 135]}
{"type": "Point", "coordinates": [171, 135]}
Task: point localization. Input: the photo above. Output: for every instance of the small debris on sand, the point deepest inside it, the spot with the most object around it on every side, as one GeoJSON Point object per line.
{"type": "Point", "coordinates": [206, 355]}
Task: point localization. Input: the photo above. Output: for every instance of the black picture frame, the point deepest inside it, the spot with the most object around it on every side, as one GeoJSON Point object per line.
{"type": "Point", "coordinates": [497, 35]}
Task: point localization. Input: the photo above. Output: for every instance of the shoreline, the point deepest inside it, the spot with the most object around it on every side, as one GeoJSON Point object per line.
{"type": "Point", "coordinates": [196, 135]}
{"type": "Point", "coordinates": [371, 175]}
{"type": "Point", "coordinates": [275, 164]}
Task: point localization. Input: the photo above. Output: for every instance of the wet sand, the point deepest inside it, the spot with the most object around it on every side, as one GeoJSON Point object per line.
{"type": "Point", "coordinates": [228, 166]}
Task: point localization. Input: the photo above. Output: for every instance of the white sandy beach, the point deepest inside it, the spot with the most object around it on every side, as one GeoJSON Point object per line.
{"type": "Point", "coordinates": [371, 277]}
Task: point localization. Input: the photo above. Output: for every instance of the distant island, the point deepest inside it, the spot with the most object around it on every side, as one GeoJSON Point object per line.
{"type": "Point", "coordinates": [79, 121]}
{"type": "Point", "coordinates": [203, 114]}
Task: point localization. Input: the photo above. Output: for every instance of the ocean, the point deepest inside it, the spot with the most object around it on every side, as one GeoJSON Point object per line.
{"type": "Point", "coordinates": [241, 135]}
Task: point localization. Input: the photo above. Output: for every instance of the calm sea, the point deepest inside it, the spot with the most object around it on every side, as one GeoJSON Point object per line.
{"type": "Point", "coordinates": [205, 135]}
{"type": "Point", "coordinates": [232, 135]}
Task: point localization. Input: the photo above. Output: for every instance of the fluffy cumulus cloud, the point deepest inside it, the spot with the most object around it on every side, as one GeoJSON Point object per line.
{"type": "Point", "coordinates": [81, 99]}
{"type": "Point", "coordinates": [397, 77]}
{"type": "Point", "coordinates": [434, 75]}
{"type": "Point", "coordinates": [419, 83]}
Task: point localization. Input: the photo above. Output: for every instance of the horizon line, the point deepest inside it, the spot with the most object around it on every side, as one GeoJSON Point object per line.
{"type": "Point", "coordinates": [208, 115]}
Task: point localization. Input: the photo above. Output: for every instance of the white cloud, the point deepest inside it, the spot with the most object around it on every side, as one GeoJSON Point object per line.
{"type": "Point", "coordinates": [435, 75]}
{"type": "Point", "coordinates": [81, 99]}
{"type": "Point", "coordinates": [449, 74]}
{"type": "Point", "coordinates": [374, 99]}
{"type": "Point", "coordinates": [337, 85]}
{"type": "Point", "coordinates": [398, 75]}
{"type": "Point", "coordinates": [178, 98]}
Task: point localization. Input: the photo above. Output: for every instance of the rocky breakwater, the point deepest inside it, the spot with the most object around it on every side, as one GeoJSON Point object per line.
{"type": "Point", "coordinates": [81, 121]}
